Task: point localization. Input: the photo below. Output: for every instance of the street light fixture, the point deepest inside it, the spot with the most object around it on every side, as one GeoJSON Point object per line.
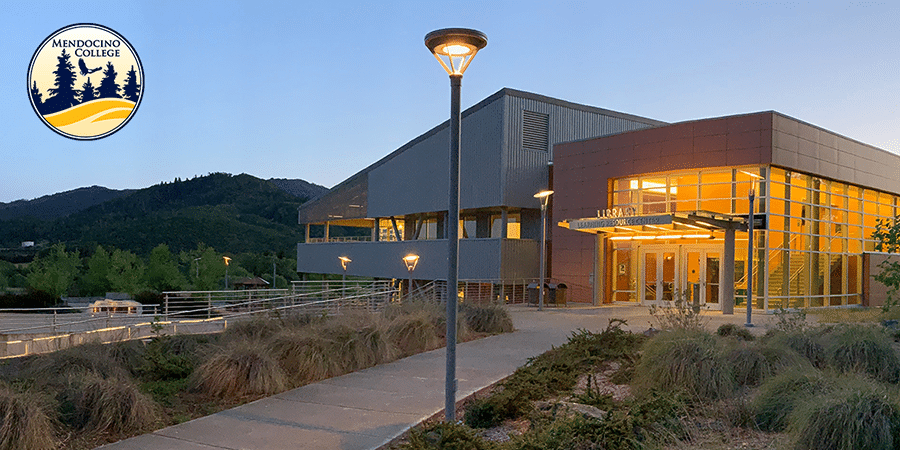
{"type": "Point", "coordinates": [544, 197]}
{"type": "Point", "coordinates": [344, 262]}
{"type": "Point", "coordinates": [227, 263]}
{"type": "Point", "coordinates": [410, 261]}
{"type": "Point", "coordinates": [454, 48]}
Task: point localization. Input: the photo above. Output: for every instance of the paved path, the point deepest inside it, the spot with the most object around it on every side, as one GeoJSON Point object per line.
{"type": "Point", "coordinates": [366, 409]}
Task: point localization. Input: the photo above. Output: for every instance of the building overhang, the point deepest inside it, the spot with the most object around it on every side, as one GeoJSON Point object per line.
{"type": "Point", "coordinates": [679, 225]}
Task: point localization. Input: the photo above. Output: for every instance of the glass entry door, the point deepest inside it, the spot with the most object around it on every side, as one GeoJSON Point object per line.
{"type": "Point", "coordinates": [658, 284]}
{"type": "Point", "coordinates": [701, 270]}
{"type": "Point", "coordinates": [669, 272]}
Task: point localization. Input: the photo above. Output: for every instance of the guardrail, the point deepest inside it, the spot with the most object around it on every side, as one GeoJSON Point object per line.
{"type": "Point", "coordinates": [41, 330]}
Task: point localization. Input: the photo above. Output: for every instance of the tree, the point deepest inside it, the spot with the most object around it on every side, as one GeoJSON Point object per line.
{"type": "Point", "coordinates": [131, 90]}
{"type": "Point", "coordinates": [108, 87]}
{"type": "Point", "coordinates": [87, 91]}
{"type": "Point", "coordinates": [54, 272]}
{"type": "Point", "coordinates": [64, 94]}
{"type": "Point", "coordinates": [887, 239]}
{"type": "Point", "coordinates": [126, 272]}
{"type": "Point", "coordinates": [207, 269]}
{"type": "Point", "coordinates": [96, 277]}
{"type": "Point", "coordinates": [162, 271]}
{"type": "Point", "coordinates": [36, 97]}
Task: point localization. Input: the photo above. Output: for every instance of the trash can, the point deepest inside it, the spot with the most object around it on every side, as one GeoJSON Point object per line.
{"type": "Point", "coordinates": [534, 293]}
{"type": "Point", "coordinates": [558, 294]}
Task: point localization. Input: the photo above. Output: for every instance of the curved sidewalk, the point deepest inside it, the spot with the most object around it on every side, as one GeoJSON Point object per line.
{"type": "Point", "coordinates": [369, 408]}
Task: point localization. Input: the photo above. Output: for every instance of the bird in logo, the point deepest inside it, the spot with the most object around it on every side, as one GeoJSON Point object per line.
{"type": "Point", "coordinates": [84, 67]}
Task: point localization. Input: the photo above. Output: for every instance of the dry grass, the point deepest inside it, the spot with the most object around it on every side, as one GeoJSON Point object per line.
{"type": "Point", "coordinates": [24, 422]}
{"type": "Point", "coordinates": [240, 370]}
{"type": "Point", "coordinates": [847, 315]}
{"type": "Point", "coordinates": [415, 332]}
{"type": "Point", "coordinates": [685, 359]}
{"type": "Point", "coordinates": [109, 406]}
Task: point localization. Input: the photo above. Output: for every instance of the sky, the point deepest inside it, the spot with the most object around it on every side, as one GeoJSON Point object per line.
{"type": "Point", "coordinates": [320, 90]}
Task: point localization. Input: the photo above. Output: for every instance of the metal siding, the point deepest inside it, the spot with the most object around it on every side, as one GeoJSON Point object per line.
{"type": "Point", "coordinates": [479, 259]}
{"type": "Point", "coordinates": [416, 180]}
{"type": "Point", "coordinates": [526, 169]}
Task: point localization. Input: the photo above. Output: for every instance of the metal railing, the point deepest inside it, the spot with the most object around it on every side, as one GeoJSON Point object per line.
{"type": "Point", "coordinates": [41, 330]}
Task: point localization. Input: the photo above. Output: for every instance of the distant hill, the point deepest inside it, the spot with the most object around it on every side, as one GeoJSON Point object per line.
{"type": "Point", "coordinates": [233, 213]}
{"type": "Point", "coordinates": [54, 206]}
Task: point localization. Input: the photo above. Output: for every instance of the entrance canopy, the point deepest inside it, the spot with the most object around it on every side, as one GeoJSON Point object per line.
{"type": "Point", "coordinates": [679, 225]}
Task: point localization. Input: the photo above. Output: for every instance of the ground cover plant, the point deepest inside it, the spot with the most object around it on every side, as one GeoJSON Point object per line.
{"type": "Point", "coordinates": [797, 385]}
{"type": "Point", "coordinates": [92, 394]}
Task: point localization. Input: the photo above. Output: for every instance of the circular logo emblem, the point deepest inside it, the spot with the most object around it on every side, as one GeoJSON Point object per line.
{"type": "Point", "coordinates": [85, 81]}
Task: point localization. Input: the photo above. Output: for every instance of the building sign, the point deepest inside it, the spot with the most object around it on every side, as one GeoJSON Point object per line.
{"type": "Point", "coordinates": [630, 221]}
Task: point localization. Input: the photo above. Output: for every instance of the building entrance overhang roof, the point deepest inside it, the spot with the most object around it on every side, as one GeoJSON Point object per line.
{"type": "Point", "coordinates": [678, 225]}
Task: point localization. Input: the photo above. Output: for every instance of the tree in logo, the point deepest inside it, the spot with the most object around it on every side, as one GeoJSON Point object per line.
{"type": "Point", "coordinates": [87, 91]}
{"type": "Point", "coordinates": [108, 87]}
{"type": "Point", "coordinates": [36, 97]}
{"type": "Point", "coordinates": [63, 95]}
{"type": "Point", "coordinates": [131, 90]}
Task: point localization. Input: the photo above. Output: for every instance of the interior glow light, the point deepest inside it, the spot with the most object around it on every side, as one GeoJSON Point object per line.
{"type": "Point", "coordinates": [752, 175]}
{"type": "Point", "coordinates": [657, 227]}
{"type": "Point", "coordinates": [692, 226]}
{"type": "Point", "coordinates": [705, 224]}
{"type": "Point", "coordinates": [643, 238]}
{"type": "Point", "coordinates": [697, 236]}
{"type": "Point", "coordinates": [620, 238]}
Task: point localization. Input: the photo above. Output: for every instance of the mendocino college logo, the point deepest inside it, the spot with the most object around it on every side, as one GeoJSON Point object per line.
{"type": "Point", "coordinates": [85, 81]}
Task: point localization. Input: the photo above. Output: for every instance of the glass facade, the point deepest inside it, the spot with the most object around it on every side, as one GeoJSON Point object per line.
{"type": "Point", "coordinates": [809, 255]}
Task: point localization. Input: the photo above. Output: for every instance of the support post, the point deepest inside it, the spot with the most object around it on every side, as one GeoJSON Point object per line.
{"type": "Point", "coordinates": [726, 282]}
{"type": "Point", "coordinates": [453, 249]}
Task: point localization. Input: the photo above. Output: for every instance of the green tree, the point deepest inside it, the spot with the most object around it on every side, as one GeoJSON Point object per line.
{"type": "Point", "coordinates": [887, 239]}
{"type": "Point", "coordinates": [96, 278]}
{"type": "Point", "coordinates": [126, 272]}
{"type": "Point", "coordinates": [207, 268]}
{"type": "Point", "coordinates": [162, 271]}
{"type": "Point", "coordinates": [54, 272]}
{"type": "Point", "coordinates": [131, 90]}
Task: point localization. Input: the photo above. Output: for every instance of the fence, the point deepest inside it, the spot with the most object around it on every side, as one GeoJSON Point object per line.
{"type": "Point", "coordinates": [28, 331]}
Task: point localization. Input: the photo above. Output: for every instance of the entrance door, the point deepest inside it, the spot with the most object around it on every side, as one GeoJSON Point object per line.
{"type": "Point", "coordinates": [672, 271]}
{"type": "Point", "coordinates": [701, 275]}
{"type": "Point", "coordinates": [658, 284]}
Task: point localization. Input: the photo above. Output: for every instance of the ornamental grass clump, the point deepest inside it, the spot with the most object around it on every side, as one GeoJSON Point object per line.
{"type": "Point", "coordinates": [780, 395]}
{"type": "Point", "coordinates": [24, 422]}
{"type": "Point", "coordinates": [691, 360]}
{"type": "Point", "coordinates": [414, 332]}
{"type": "Point", "coordinates": [863, 349]}
{"type": "Point", "coordinates": [858, 413]}
{"type": "Point", "coordinates": [111, 406]}
{"type": "Point", "coordinates": [490, 318]}
{"type": "Point", "coordinates": [243, 369]}
{"type": "Point", "coordinates": [751, 363]}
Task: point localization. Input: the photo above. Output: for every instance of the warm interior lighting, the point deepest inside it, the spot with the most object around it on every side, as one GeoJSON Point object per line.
{"type": "Point", "coordinates": [620, 238]}
{"type": "Point", "coordinates": [411, 261]}
{"type": "Point", "coordinates": [752, 175]}
{"type": "Point", "coordinates": [455, 48]}
{"type": "Point", "coordinates": [697, 236]}
{"type": "Point", "coordinates": [704, 224]}
{"type": "Point", "coordinates": [650, 186]}
{"type": "Point", "coordinates": [662, 237]}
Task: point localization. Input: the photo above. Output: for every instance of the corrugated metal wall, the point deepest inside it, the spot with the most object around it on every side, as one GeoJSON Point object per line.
{"type": "Point", "coordinates": [525, 169]}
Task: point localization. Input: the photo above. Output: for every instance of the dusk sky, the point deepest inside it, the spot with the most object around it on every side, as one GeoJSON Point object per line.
{"type": "Point", "coordinates": [320, 90]}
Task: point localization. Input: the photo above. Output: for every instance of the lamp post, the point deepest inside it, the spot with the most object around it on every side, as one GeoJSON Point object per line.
{"type": "Point", "coordinates": [544, 197]}
{"type": "Point", "coordinates": [227, 263]}
{"type": "Point", "coordinates": [410, 261]}
{"type": "Point", "coordinates": [344, 262]}
{"type": "Point", "coordinates": [454, 48]}
{"type": "Point", "coordinates": [752, 197]}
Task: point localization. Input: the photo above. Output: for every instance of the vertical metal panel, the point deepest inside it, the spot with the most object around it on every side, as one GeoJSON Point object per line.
{"type": "Point", "coordinates": [416, 179]}
{"type": "Point", "coordinates": [526, 170]}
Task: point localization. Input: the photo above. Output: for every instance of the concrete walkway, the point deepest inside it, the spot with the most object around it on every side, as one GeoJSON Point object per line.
{"type": "Point", "coordinates": [366, 409]}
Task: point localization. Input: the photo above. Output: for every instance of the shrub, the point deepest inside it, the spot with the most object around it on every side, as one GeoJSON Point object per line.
{"type": "Point", "coordinates": [751, 364]}
{"type": "Point", "coordinates": [686, 359]}
{"type": "Point", "coordinates": [164, 360]}
{"type": "Point", "coordinates": [864, 349]}
{"type": "Point", "coordinates": [858, 413]}
{"type": "Point", "coordinates": [681, 315]}
{"type": "Point", "coordinates": [490, 318]}
{"type": "Point", "coordinates": [113, 406]}
{"type": "Point", "coordinates": [730, 329]}
{"type": "Point", "coordinates": [808, 342]}
{"type": "Point", "coordinates": [781, 394]}
{"type": "Point", "coordinates": [24, 422]}
{"type": "Point", "coordinates": [414, 332]}
{"type": "Point", "coordinates": [240, 370]}
{"type": "Point", "coordinates": [54, 368]}
{"type": "Point", "coordinates": [616, 432]}
{"type": "Point", "coordinates": [445, 435]}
